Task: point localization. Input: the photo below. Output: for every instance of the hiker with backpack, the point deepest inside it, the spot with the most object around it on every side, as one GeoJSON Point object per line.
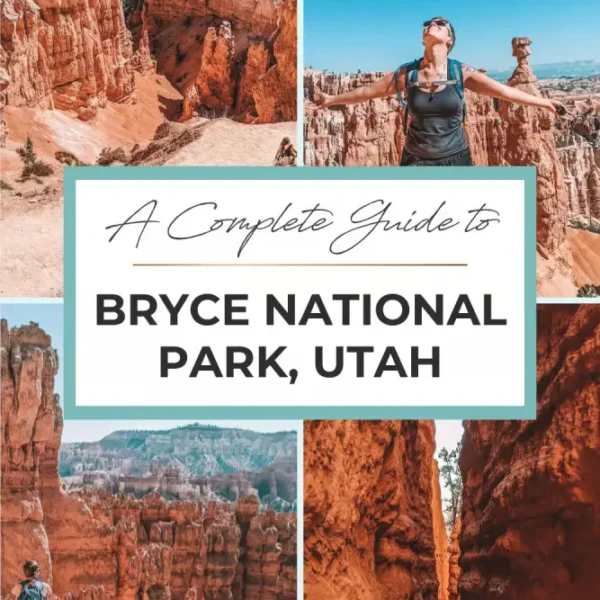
{"type": "Point", "coordinates": [431, 91]}
{"type": "Point", "coordinates": [31, 588]}
{"type": "Point", "coordinates": [286, 153]}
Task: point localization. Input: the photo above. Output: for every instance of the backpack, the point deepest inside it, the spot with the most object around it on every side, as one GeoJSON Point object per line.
{"type": "Point", "coordinates": [32, 590]}
{"type": "Point", "coordinates": [411, 80]}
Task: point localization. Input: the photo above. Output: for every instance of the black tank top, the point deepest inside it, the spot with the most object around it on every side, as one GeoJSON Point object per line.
{"type": "Point", "coordinates": [435, 129]}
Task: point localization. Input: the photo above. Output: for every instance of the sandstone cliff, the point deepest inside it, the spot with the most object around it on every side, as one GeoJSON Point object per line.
{"type": "Point", "coordinates": [440, 537]}
{"type": "Point", "coordinates": [531, 503]}
{"type": "Point", "coordinates": [275, 93]}
{"type": "Point", "coordinates": [578, 145]}
{"type": "Point", "coordinates": [31, 421]}
{"type": "Point", "coordinates": [196, 462]}
{"type": "Point", "coordinates": [72, 55]}
{"type": "Point", "coordinates": [368, 525]}
{"type": "Point", "coordinates": [453, 560]}
{"type": "Point", "coordinates": [227, 58]}
{"type": "Point", "coordinates": [367, 134]}
{"type": "Point", "coordinates": [96, 545]}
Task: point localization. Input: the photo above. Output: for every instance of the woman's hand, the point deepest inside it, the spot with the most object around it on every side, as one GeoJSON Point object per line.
{"type": "Point", "coordinates": [323, 100]}
{"type": "Point", "coordinates": [558, 108]}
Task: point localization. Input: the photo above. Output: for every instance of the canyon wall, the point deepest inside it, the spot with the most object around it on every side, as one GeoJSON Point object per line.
{"type": "Point", "coordinates": [440, 537]}
{"type": "Point", "coordinates": [453, 560]}
{"type": "Point", "coordinates": [97, 545]}
{"type": "Point", "coordinates": [368, 524]}
{"type": "Point", "coordinates": [199, 462]}
{"type": "Point", "coordinates": [578, 146]}
{"type": "Point", "coordinates": [566, 154]}
{"type": "Point", "coordinates": [228, 58]}
{"type": "Point", "coordinates": [368, 134]}
{"type": "Point", "coordinates": [31, 427]}
{"type": "Point", "coordinates": [71, 55]}
{"type": "Point", "coordinates": [531, 502]}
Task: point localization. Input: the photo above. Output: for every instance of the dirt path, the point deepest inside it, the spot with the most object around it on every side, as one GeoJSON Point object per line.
{"type": "Point", "coordinates": [227, 143]}
{"type": "Point", "coordinates": [31, 253]}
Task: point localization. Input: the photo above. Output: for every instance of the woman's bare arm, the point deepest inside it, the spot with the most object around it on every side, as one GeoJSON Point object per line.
{"type": "Point", "coordinates": [382, 88]}
{"type": "Point", "coordinates": [482, 84]}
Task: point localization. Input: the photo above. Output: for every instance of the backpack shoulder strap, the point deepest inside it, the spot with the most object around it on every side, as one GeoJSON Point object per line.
{"type": "Point", "coordinates": [410, 68]}
{"type": "Point", "coordinates": [455, 69]}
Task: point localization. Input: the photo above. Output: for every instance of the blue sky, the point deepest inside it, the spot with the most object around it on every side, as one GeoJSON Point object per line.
{"type": "Point", "coordinates": [50, 318]}
{"type": "Point", "coordinates": [346, 35]}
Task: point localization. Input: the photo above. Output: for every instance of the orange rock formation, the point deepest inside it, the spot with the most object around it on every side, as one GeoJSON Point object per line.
{"type": "Point", "coordinates": [531, 502]}
{"type": "Point", "coordinates": [453, 559]}
{"type": "Point", "coordinates": [368, 134]}
{"type": "Point", "coordinates": [68, 55]}
{"type": "Point", "coordinates": [368, 525]}
{"type": "Point", "coordinates": [440, 536]}
{"type": "Point", "coordinates": [228, 58]}
{"type": "Point", "coordinates": [275, 93]}
{"type": "Point", "coordinates": [98, 546]}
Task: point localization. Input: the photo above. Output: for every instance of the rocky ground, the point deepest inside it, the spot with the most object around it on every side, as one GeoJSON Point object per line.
{"type": "Point", "coordinates": [96, 545]}
{"type": "Point", "coordinates": [572, 86]}
{"type": "Point", "coordinates": [566, 153]}
{"type": "Point", "coordinates": [134, 89]}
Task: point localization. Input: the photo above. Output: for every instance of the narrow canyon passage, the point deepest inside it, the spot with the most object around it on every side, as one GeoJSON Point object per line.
{"type": "Point", "coordinates": [530, 521]}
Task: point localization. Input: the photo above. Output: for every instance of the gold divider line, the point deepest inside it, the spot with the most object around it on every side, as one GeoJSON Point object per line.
{"type": "Point", "coordinates": [300, 265]}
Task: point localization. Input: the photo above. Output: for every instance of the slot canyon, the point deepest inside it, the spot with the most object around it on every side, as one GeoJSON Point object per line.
{"type": "Point", "coordinates": [529, 527]}
{"type": "Point", "coordinates": [565, 152]}
{"type": "Point", "coordinates": [95, 545]}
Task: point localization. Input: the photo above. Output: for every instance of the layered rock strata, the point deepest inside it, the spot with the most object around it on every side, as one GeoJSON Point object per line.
{"type": "Point", "coordinates": [367, 134]}
{"type": "Point", "coordinates": [368, 525]}
{"type": "Point", "coordinates": [227, 58]}
{"type": "Point", "coordinates": [275, 93]}
{"type": "Point", "coordinates": [531, 502]}
{"type": "Point", "coordinates": [578, 146]}
{"type": "Point", "coordinates": [234, 59]}
{"type": "Point", "coordinates": [72, 55]}
{"type": "Point", "coordinates": [453, 560]}
{"type": "Point", "coordinates": [440, 537]}
{"type": "Point", "coordinates": [96, 545]}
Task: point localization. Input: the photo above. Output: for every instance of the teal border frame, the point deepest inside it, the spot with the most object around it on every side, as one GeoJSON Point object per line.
{"type": "Point", "coordinates": [525, 174]}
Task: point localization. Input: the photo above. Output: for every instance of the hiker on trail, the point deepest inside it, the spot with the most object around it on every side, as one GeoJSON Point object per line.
{"type": "Point", "coordinates": [431, 90]}
{"type": "Point", "coordinates": [286, 153]}
{"type": "Point", "coordinates": [31, 588]}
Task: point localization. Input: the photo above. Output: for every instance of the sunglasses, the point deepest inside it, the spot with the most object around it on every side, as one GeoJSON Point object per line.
{"type": "Point", "coordinates": [438, 22]}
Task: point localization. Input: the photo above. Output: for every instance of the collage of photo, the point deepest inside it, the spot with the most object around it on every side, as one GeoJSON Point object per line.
{"type": "Point", "coordinates": [266, 509]}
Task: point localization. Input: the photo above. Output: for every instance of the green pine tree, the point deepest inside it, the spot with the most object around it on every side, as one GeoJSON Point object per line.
{"type": "Point", "coordinates": [452, 478]}
{"type": "Point", "coordinates": [27, 154]}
